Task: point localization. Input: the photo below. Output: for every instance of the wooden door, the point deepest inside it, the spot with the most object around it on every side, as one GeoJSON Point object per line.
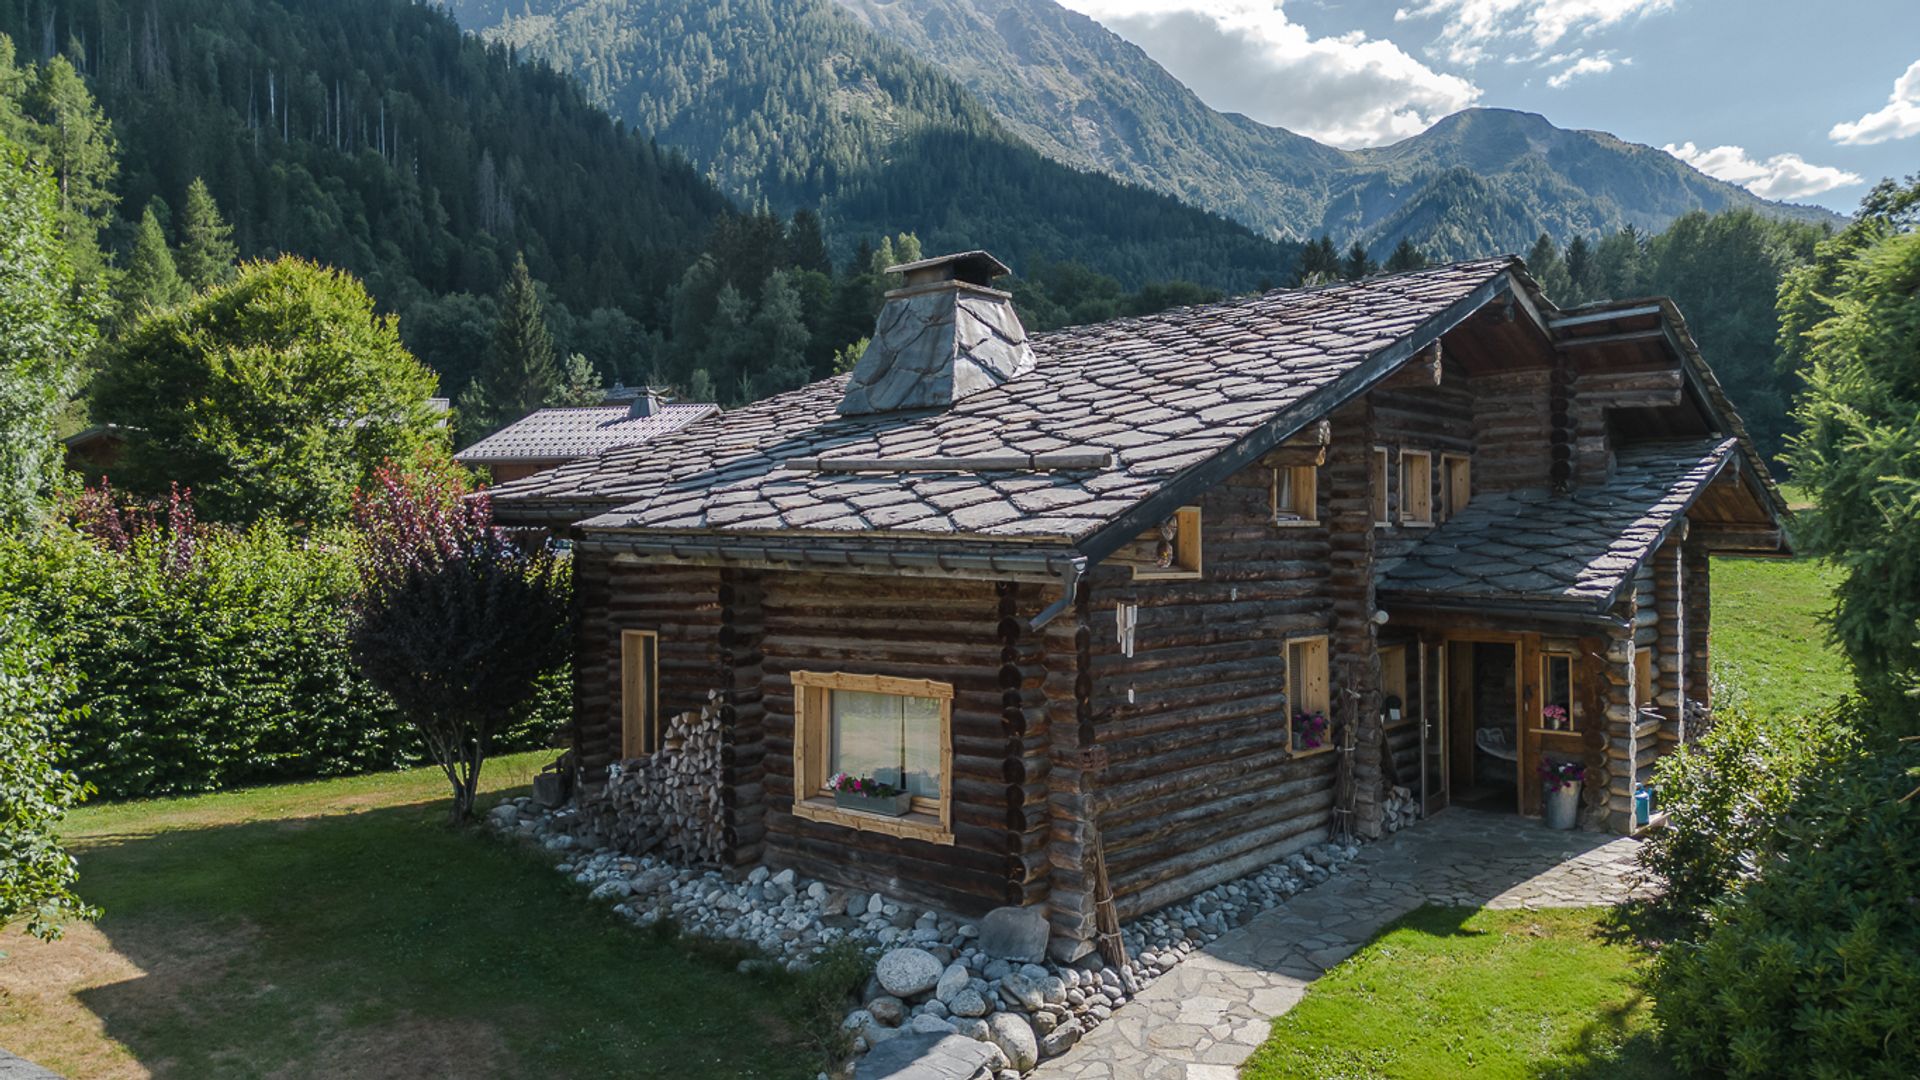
{"type": "Point", "coordinates": [1434, 787]}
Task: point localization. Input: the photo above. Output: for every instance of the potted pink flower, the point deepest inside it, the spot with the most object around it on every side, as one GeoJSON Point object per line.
{"type": "Point", "coordinates": [1309, 730]}
{"type": "Point", "coordinates": [869, 796]}
{"type": "Point", "coordinates": [1561, 781]}
{"type": "Point", "coordinates": [1554, 718]}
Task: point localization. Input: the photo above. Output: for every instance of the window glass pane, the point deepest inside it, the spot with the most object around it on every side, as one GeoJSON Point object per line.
{"type": "Point", "coordinates": [1559, 681]}
{"type": "Point", "coordinates": [921, 750]}
{"type": "Point", "coordinates": [866, 735]}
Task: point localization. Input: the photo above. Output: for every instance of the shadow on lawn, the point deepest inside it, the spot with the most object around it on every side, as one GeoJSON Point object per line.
{"type": "Point", "coordinates": [382, 943]}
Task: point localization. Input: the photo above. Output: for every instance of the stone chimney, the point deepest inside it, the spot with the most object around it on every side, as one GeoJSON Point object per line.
{"type": "Point", "coordinates": [943, 335]}
{"type": "Point", "coordinates": [645, 403]}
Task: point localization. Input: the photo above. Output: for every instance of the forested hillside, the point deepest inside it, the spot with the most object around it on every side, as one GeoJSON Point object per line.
{"type": "Point", "coordinates": [793, 102]}
{"type": "Point", "coordinates": [374, 136]}
{"type": "Point", "coordinates": [1481, 181]}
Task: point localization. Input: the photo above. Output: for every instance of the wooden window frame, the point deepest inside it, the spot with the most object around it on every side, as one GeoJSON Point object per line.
{"type": "Point", "coordinates": [1299, 478]}
{"type": "Point", "coordinates": [1547, 657]}
{"type": "Point", "coordinates": [1406, 704]}
{"type": "Point", "coordinates": [1425, 490]}
{"type": "Point", "coordinates": [1448, 505]}
{"type": "Point", "coordinates": [1381, 504]}
{"type": "Point", "coordinates": [1187, 562]}
{"type": "Point", "coordinates": [640, 724]}
{"type": "Point", "coordinates": [931, 820]}
{"type": "Point", "coordinates": [1325, 703]}
{"type": "Point", "coordinates": [1646, 680]}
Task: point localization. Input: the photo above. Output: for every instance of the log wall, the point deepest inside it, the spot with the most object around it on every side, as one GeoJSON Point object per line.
{"type": "Point", "coordinates": [1198, 785]}
{"type": "Point", "coordinates": [1512, 429]}
{"type": "Point", "coordinates": [951, 631]}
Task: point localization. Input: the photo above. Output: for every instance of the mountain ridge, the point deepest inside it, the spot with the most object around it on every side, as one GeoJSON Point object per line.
{"type": "Point", "coordinates": [1084, 95]}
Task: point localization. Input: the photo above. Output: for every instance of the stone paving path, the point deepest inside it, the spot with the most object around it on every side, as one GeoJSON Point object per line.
{"type": "Point", "coordinates": [19, 1068]}
{"type": "Point", "coordinates": [1200, 1020]}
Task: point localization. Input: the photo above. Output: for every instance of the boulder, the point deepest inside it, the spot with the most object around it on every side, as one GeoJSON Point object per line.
{"type": "Point", "coordinates": [929, 1024]}
{"type": "Point", "coordinates": [1015, 933]}
{"type": "Point", "coordinates": [906, 972]}
{"type": "Point", "coordinates": [1015, 1038]}
{"type": "Point", "coordinates": [953, 980]}
{"type": "Point", "coordinates": [1060, 1039]}
{"type": "Point", "coordinates": [888, 1010]}
{"type": "Point", "coordinates": [611, 890]}
{"type": "Point", "coordinates": [969, 1003]}
{"type": "Point", "coordinates": [936, 1055]}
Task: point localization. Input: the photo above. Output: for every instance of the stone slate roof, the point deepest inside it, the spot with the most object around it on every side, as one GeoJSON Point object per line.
{"type": "Point", "coordinates": [1161, 393]}
{"type": "Point", "coordinates": [1577, 549]}
{"type": "Point", "coordinates": [565, 434]}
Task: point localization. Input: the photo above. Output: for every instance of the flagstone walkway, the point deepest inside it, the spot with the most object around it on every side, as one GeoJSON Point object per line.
{"type": "Point", "coordinates": [1206, 1016]}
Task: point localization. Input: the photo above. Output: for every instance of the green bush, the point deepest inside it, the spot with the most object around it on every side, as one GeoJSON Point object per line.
{"type": "Point", "coordinates": [36, 874]}
{"type": "Point", "coordinates": [1725, 797]}
{"type": "Point", "coordinates": [1813, 967]}
{"type": "Point", "coordinates": [216, 661]}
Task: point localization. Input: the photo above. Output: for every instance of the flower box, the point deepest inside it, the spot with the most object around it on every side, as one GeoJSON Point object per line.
{"type": "Point", "coordinates": [889, 805]}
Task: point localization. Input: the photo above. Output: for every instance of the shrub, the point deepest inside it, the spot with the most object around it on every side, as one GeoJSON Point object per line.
{"type": "Point", "coordinates": [209, 658]}
{"type": "Point", "coordinates": [455, 621]}
{"type": "Point", "coordinates": [36, 874]}
{"type": "Point", "coordinates": [1725, 797]}
{"type": "Point", "coordinates": [1813, 967]}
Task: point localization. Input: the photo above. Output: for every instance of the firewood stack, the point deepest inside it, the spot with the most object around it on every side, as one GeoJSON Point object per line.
{"type": "Point", "coordinates": [1400, 810]}
{"type": "Point", "coordinates": [669, 801]}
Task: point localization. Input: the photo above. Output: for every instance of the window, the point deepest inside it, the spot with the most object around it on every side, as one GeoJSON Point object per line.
{"type": "Point", "coordinates": [1310, 728]}
{"type": "Point", "coordinates": [895, 730]}
{"type": "Point", "coordinates": [1643, 685]}
{"type": "Point", "coordinates": [1296, 495]}
{"type": "Point", "coordinates": [1556, 692]}
{"type": "Point", "coordinates": [1456, 489]}
{"type": "Point", "coordinates": [1416, 487]}
{"type": "Point", "coordinates": [639, 693]}
{"type": "Point", "coordinates": [1380, 494]}
{"type": "Point", "coordinates": [1181, 548]}
{"type": "Point", "coordinates": [1394, 707]}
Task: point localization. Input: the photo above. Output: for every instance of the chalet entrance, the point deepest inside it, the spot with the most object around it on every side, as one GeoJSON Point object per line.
{"type": "Point", "coordinates": [1483, 724]}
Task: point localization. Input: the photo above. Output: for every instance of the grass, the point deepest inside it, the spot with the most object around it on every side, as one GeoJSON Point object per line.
{"type": "Point", "coordinates": [339, 928]}
{"type": "Point", "coordinates": [1770, 647]}
{"type": "Point", "coordinates": [1447, 992]}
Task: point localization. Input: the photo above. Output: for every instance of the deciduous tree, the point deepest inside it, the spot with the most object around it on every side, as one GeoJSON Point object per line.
{"type": "Point", "coordinates": [456, 622]}
{"type": "Point", "coordinates": [276, 395]}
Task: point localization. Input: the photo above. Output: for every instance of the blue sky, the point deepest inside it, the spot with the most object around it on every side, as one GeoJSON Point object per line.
{"type": "Point", "coordinates": [1802, 101]}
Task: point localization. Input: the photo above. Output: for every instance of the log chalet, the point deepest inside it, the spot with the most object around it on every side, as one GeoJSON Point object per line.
{"type": "Point", "coordinates": [1131, 609]}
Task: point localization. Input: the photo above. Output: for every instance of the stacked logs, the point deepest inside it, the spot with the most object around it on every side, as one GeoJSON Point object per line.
{"type": "Point", "coordinates": [669, 800]}
{"type": "Point", "coordinates": [1400, 810]}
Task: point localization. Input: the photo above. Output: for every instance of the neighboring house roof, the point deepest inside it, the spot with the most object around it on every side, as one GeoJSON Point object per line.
{"type": "Point", "coordinates": [1161, 403]}
{"type": "Point", "coordinates": [1578, 549]}
{"type": "Point", "coordinates": [569, 433]}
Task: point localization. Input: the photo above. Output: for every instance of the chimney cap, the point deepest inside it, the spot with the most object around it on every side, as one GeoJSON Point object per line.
{"type": "Point", "coordinates": [972, 267]}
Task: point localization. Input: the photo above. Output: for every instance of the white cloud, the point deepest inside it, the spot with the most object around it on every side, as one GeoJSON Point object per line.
{"type": "Point", "coordinates": [1586, 65]}
{"type": "Point", "coordinates": [1246, 56]}
{"type": "Point", "coordinates": [1782, 176]}
{"type": "Point", "coordinates": [1471, 28]}
{"type": "Point", "coordinates": [1898, 119]}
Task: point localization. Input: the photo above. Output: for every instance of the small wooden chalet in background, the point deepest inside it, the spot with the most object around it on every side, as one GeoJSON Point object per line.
{"type": "Point", "coordinates": [1159, 600]}
{"type": "Point", "coordinates": [544, 438]}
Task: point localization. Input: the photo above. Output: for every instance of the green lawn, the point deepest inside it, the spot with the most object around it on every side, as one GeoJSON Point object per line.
{"type": "Point", "coordinates": [1448, 992]}
{"type": "Point", "coordinates": [1770, 646]}
{"type": "Point", "coordinates": [340, 929]}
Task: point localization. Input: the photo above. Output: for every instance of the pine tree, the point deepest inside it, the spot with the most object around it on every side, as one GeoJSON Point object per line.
{"type": "Point", "coordinates": [206, 241]}
{"type": "Point", "coordinates": [151, 281]}
{"type": "Point", "coordinates": [1406, 257]}
{"type": "Point", "coordinates": [1358, 263]}
{"type": "Point", "coordinates": [1319, 263]}
{"type": "Point", "coordinates": [780, 336]}
{"type": "Point", "coordinates": [807, 243]}
{"type": "Point", "coordinates": [520, 374]}
{"type": "Point", "coordinates": [579, 383]}
{"type": "Point", "coordinates": [1579, 262]}
{"type": "Point", "coordinates": [74, 141]}
{"type": "Point", "coordinates": [1543, 261]}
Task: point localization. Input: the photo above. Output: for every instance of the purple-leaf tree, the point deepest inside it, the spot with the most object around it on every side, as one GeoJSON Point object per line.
{"type": "Point", "coordinates": [457, 621]}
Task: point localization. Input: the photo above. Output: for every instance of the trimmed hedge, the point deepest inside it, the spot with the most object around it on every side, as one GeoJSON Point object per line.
{"type": "Point", "coordinates": [216, 661]}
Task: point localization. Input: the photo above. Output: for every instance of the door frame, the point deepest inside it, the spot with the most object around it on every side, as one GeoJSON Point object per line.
{"type": "Point", "coordinates": [1526, 650]}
